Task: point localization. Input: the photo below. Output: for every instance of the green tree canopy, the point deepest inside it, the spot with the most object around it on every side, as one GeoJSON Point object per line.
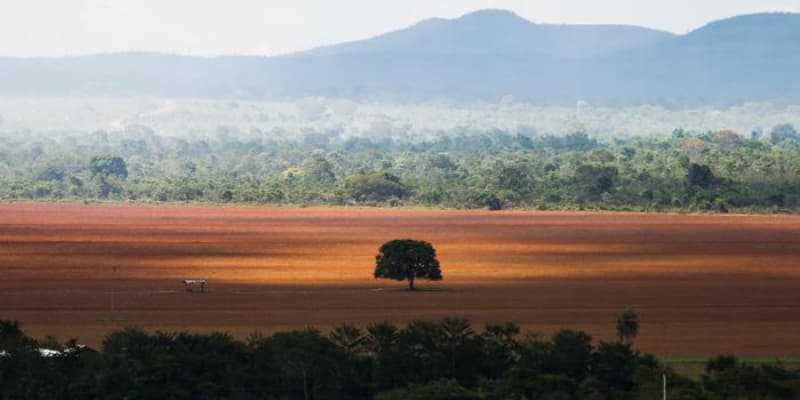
{"type": "Point", "coordinates": [627, 326]}
{"type": "Point", "coordinates": [701, 176]}
{"type": "Point", "coordinates": [444, 359]}
{"type": "Point", "coordinates": [375, 187]}
{"type": "Point", "coordinates": [782, 132]}
{"type": "Point", "coordinates": [444, 389]}
{"type": "Point", "coordinates": [594, 180]}
{"type": "Point", "coordinates": [109, 166]}
{"type": "Point", "coordinates": [320, 171]}
{"type": "Point", "coordinates": [407, 259]}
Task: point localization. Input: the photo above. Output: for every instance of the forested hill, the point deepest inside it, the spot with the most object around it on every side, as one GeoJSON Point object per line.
{"type": "Point", "coordinates": [481, 56]}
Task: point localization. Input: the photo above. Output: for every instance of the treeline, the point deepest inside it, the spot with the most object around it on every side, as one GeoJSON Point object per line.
{"type": "Point", "coordinates": [423, 360]}
{"type": "Point", "coordinates": [710, 171]}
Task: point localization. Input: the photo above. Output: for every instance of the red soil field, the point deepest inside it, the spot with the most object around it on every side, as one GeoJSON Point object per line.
{"type": "Point", "coordinates": [703, 284]}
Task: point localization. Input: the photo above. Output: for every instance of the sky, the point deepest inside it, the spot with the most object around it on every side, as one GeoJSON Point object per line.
{"type": "Point", "coordinates": [267, 27]}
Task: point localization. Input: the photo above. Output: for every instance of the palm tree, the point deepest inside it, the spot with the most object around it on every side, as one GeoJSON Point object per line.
{"type": "Point", "coordinates": [627, 326]}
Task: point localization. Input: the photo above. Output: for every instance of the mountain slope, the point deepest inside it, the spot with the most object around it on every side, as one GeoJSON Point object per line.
{"type": "Point", "coordinates": [745, 58]}
{"type": "Point", "coordinates": [498, 32]}
{"type": "Point", "coordinates": [484, 55]}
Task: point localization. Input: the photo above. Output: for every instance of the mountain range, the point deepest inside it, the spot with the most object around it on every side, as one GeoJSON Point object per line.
{"type": "Point", "coordinates": [485, 55]}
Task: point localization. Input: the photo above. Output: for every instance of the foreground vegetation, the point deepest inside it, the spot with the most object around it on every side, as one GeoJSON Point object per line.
{"type": "Point", "coordinates": [711, 171]}
{"type": "Point", "coordinates": [423, 360]}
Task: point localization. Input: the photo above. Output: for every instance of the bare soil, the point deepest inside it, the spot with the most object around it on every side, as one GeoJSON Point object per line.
{"type": "Point", "coordinates": [703, 284]}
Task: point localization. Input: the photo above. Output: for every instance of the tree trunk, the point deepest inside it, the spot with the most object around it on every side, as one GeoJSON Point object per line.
{"type": "Point", "coordinates": [411, 283]}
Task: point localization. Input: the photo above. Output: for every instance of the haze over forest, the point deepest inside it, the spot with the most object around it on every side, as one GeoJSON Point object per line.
{"type": "Point", "coordinates": [482, 56]}
{"type": "Point", "coordinates": [484, 110]}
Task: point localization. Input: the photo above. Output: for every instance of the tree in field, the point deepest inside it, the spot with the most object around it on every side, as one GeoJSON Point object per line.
{"type": "Point", "coordinates": [627, 326]}
{"type": "Point", "coordinates": [409, 260]}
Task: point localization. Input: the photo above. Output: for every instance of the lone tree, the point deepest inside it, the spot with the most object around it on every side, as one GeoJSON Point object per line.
{"type": "Point", "coordinates": [627, 326]}
{"type": "Point", "coordinates": [407, 260]}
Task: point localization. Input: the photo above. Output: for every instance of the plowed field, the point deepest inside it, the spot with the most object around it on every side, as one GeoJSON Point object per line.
{"type": "Point", "coordinates": [703, 284]}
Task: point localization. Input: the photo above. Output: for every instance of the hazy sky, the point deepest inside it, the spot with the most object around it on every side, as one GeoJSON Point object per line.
{"type": "Point", "coordinates": [211, 27]}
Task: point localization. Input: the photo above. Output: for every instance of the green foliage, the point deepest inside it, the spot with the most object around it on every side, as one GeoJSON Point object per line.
{"type": "Point", "coordinates": [614, 364]}
{"type": "Point", "coordinates": [407, 259]}
{"type": "Point", "coordinates": [627, 326]}
{"type": "Point", "coordinates": [604, 156]}
{"type": "Point", "coordinates": [51, 173]}
{"type": "Point", "coordinates": [12, 337]}
{"type": "Point", "coordinates": [107, 166]}
{"type": "Point", "coordinates": [489, 200]}
{"type": "Point", "coordinates": [378, 187]}
{"type": "Point", "coordinates": [707, 171]}
{"type": "Point", "coordinates": [320, 171]}
{"type": "Point", "coordinates": [570, 354]}
{"type": "Point", "coordinates": [592, 181]}
{"type": "Point", "coordinates": [349, 337]}
{"type": "Point", "coordinates": [783, 132]}
{"type": "Point", "coordinates": [727, 378]}
{"type": "Point", "coordinates": [701, 176]}
{"type": "Point", "coordinates": [445, 389]}
{"type": "Point", "coordinates": [307, 365]}
{"type": "Point", "coordinates": [444, 359]}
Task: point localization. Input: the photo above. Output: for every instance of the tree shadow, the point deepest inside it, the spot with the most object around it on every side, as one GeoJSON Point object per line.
{"type": "Point", "coordinates": [417, 290]}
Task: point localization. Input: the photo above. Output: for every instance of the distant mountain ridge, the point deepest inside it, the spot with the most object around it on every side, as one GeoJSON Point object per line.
{"type": "Point", "coordinates": [498, 32]}
{"type": "Point", "coordinates": [484, 55]}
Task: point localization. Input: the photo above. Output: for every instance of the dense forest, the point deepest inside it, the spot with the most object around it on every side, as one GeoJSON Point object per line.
{"type": "Point", "coordinates": [684, 171]}
{"type": "Point", "coordinates": [423, 360]}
